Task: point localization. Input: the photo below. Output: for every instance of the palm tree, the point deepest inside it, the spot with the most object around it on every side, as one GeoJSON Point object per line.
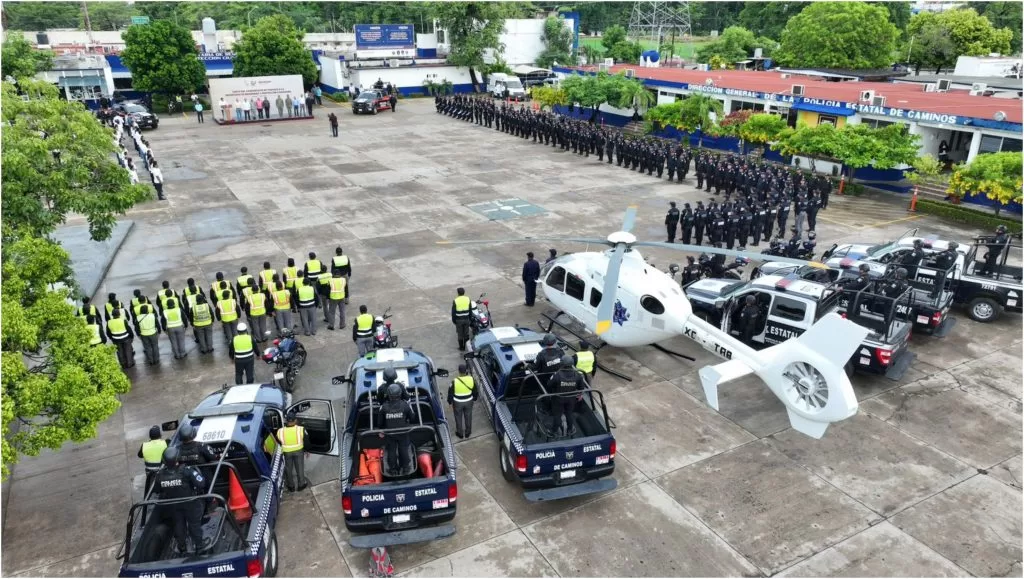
{"type": "Point", "coordinates": [696, 113]}
{"type": "Point", "coordinates": [633, 94]}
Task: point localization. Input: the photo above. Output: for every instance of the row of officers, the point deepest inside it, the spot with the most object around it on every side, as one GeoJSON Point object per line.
{"type": "Point", "coordinates": [739, 223]}
{"type": "Point", "coordinates": [268, 295]}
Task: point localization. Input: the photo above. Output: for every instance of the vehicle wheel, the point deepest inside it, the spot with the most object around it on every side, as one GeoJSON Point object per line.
{"type": "Point", "coordinates": [270, 559]}
{"type": "Point", "coordinates": [289, 379]}
{"type": "Point", "coordinates": [507, 470]}
{"type": "Point", "coordinates": [983, 309]}
{"type": "Point", "coordinates": [300, 354]}
{"type": "Point", "coordinates": [374, 110]}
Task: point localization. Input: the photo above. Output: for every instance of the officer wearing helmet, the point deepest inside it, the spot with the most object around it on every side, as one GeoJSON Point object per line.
{"type": "Point", "coordinates": [180, 481]}
{"type": "Point", "coordinates": [190, 450]}
{"type": "Point", "coordinates": [244, 354]}
{"type": "Point", "coordinates": [893, 287]}
{"type": "Point", "coordinates": [388, 377]}
{"type": "Point", "coordinates": [750, 315]}
{"type": "Point", "coordinates": [946, 258]}
{"type": "Point", "coordinates": [564, 383]}
{"type": "Point", "coordinates": [395, 412]}
{"type": "Point", "coordinates": [914, 258]}
{"type": "Point", "coordinates": [549, 357]}
{"type": "Point", "coordinates": [810, 244]}
{"type": "Point", "coordinates": [691, 272]}
{"type": "Point", "coordinates": [862, 281]}
{"type": "Point", "coordinates": [995, 246]}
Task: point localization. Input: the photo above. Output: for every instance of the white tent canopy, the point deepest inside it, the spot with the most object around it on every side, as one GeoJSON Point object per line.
{"type": "Point", "coordinates": [524, 69]}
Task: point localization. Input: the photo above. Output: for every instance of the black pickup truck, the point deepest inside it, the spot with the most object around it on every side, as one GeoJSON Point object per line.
{"type": "Point", "coordinates": [790, 305]}
{"type": "Point", "coordinates": [548, 466]}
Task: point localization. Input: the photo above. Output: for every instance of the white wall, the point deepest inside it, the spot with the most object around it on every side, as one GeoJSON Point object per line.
{"type": "Point", "coordinates": [523, 40]}
{"type": "Point", "coordinates": [254, 86]}
{"type": "Point", "coordinates": [984, 65]}
{"type": "Point", "coordinates": [330, 72]}
{"type": "Point", "coordinates": [409, 76]}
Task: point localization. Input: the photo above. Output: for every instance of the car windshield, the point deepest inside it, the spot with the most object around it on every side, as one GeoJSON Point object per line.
{"type": "Point", "coordinates": [513, 83]}
{"type": "Point", "coordinates": [876, 250]}
{"type": "Point", "coordinates": [135, 109]}
{"type": "Point", "coordinates": [367, 96]}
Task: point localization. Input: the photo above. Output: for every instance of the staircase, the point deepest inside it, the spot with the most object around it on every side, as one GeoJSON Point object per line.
{"type": "Point", "coordinates": [932, 191]}
{"type": "Point", "coordinates": [633, 129]}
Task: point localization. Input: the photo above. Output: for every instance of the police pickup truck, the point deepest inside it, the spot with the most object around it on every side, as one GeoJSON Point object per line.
{"type": "Point", "coordinates": [244, 489]}
{"type": "Point", "coordinates": [548, 466]}
{"type": "Point", "coordinates": [932, 287]}
{"type": "Point", "coordinates": [791, 305]}
{"type": "Point", "coordinates": [984, 295]}
{"type": "Point", "coordinates": [385, 507]}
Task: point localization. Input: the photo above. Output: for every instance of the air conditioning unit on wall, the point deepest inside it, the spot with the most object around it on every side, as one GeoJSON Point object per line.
{"type": "Point", "coordinates": [867, 96]}
{"type": "Point", "coordinates": [797, 89]}
{"type": "Point", "coordinates": [878, 101]}
{"type": "Point", "coordinates": [930, 87]}
{"type": "Point", "coordinates": [630, 73]}
{"type": "Point", "coordinates": [943, 85]}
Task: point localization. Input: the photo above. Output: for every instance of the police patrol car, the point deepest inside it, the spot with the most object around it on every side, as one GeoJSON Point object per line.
{"type": "Point", "coordinates": [791, 305]}
{"type": "Point", "coordinates": [548, 466]}
{"type": "Point", "coordinates": [384, 507]}
{"type": "Point", "coordinates": [985, 297]}
{"type": "Point", "coordinates": [245, 485]}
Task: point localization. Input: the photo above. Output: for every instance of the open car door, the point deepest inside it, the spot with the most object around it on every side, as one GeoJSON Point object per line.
{"type": "Point", "coordinates": [908, 233]}
{"type": "Point", "coordinates": [317, 417]}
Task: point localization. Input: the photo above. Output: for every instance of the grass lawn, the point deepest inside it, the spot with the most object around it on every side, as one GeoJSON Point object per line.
{"type": "Point", "coordinates": [682, 49]}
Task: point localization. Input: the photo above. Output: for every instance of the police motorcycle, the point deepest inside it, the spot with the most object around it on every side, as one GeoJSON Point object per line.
{"type": "Point", "coordinates": [480, 314]}
{"type": "Point", "coordinates": [382, 336]}
{"type": "Point", "coordinates": [288, 355]}
{"type": "Point", "coordinates": [709, 270]}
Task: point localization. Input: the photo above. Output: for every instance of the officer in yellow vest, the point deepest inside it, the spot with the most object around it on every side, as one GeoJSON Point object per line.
{"type": "Point", "coordinates": [187, 301]}
{"type": "Point", "coordinates": [174, 321]}
{"type": "Point", "coordinates": [217, 288]}
{"type": "Point", "coordinates": [112, 304]}
{"type": "Point", "coordinates": [244, 355]}
{"type": "Point", "coordinates": [283, 307]}
{"type": "Point", "coordinates": [136, 305]}
{"type": "Point", "coordinates": [341, 263]}
{"type": "Point", "coordinates": [152, 453]}
{"type": "Point", "coordinates": [362, 331]}
{"type": "Point", "coordinates": [586, 361]}
{"type": "Point", "coordinates": [336, 297]}
{"type": "Point", "coordinates": [292, 440]}
{"type": "Point", "coordinates": [461, 396]}
{"type": "Point", "coordinates": [245, 284]}
{"type": "Point", "coordinates": [312, 273]}
{"type": "Point", "coordinates": [305, 293]}
{"type": "Point", "coordinates": [201, 315]}
{"type": "Point", "coordinates": [460, 317]}
{"type": "Point", "coordinates": [97, 337]}
{"type": "Point", "coordinates": [120, 332]}
{"type": "Point", "coordinates": [165, 294]}
{"type": "Point", "coordinates": [256, 313]}
{"type": "Point", "coordinates": [267, 276]}
{"type": "Point", "coordinates": [149, 331]}
{"type": "Point", "coordinates": [291, 273]}
{"type": "Point", "coordinates": [227, 311]}
{"type": "Point", "coordinates": [87, 309]}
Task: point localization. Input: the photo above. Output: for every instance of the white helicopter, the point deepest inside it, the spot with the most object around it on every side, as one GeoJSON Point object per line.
{"type": "Point", "coordinates": [628, 302]}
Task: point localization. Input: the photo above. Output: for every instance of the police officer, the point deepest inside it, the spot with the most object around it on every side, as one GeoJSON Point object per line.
{"type": "Point", "coordinates": [700, 217]}
{"type": "Point", "coordinates": [152, 452]}
{"type": "Point", "coordinates": [340, 262]}
{"type": "Point", "coordinates": [244, 354]}
{"type": "Point", "coordinates": [283, 306]}
{"type": "Point", "coordinates": [218, 287]}
{"type": "Point", "coordinates": [749, 317]}
{"type": "Point", "coordinates": [180, 481]}
{"type": "Point", "coordinates": [565, 382]}
{"type": "Point", "coordinates": [191, 451]}
{"type": "Point", "coordinates": [307, 303]}
{"type": "Point", "coordinates": [547, 360]}
{"type": "Point", "coordinates": [149, 332]}
{"type": "Point", "coordinates": [946, 258]}
{"type": "Point", "coordinates": [995, 246]}
{"type": "Point", "coordinates": [895, 286]}
{"type": "Point", "coordinates": [97, 335]}
{"type": "Point", "coordinates": [461, 396]}
{"type": "Point", "coordinates": [396, 413]}
{"type": "Point", "coordinates": [227, 312]}
{"type": "Point", "coordinates": [201, 317]}
{"type": "Point", "coordinates": [914, 258]}
{"type": "Point", "coordinates": [671, 221]}
{"type": "Point", "coordinates": [460, 317]}
{"type": "Point", "coordinates": [312, 273]}
{"type": "Point", "coordinates": [584, 359]}
{"type": "Point", "coordinates": [267, 276]}
{"type": "Point", "coordinates": [861, 282]}
{"type": "Point", "coordinates": [87, 309]}
{"type": "Point", "coordinates": [691, 272]}
{"type": "Point", "coordinates": [362, 331]}
{"type": "Point", "coordinates": [337, 295]}
{"type": "Point", "coordinates": [174, 322]}
{"type": "Point", "coordinates": [292, 439]}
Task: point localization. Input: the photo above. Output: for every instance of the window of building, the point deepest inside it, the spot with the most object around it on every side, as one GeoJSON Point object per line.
{"type": "Point", "coordinates": [875, 123]}
{"type": "Point", "coordinates": [652, 305]}
{"type": "Point", "coordinates": [574, 287]}
{"type": "Point", "coordinates": [996, 144]}
{"type": "Point", "coordinates": [788, 309]}
{"type": "Point", "coordinates": [738, 105]}
{"type": "Point", "coordinates": [827, 120]}
{"type": "Point", "coordinates": [556, 279]}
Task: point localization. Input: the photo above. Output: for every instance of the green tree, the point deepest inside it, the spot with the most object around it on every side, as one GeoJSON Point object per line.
{"type": "Point", "coordinates": [821, 141]}
{"type": "Point", "coordinates": [474, 29]}
{"type": "Point", "coordinates": [762, 128]}
{"type": "Point", "coordinates": [768, 18]}
{"type": "Point", "coordinates": [613, 35]}
{"type": "Point", "coordinates": [596, 16]}
{"type": "Point", "coordinates": [930, 44]}
{"type": "Point", "coordinates": [936, 40]}
{"type": "Point", "coordinates": [996, 175]}
{"type": "Point", "coordinates": [40, 190]}
{"type": "Point", "coordinates": [40, 16]}
{"type": "Point", "coordinates": [162, 58]}
{"type": "Point", "coordinates": [735, 44]}
{"type": "Point", "coordinates": [626, 51]}
{"type": "Point", "coordinates": [665, 115]}
{"type": "Point", "coordinates": [899, 14]}
{"type": "Point", "coordinates": [108, 15]}
{"type": "Point", "coordinates": [557, 43]}
{"type": "Point", "coordinates": [549, 96]}
{"type": "Point", "coordinates": [695, 114]}
{"type": "Point", "coordinates": [926, 170]}
{"type": "Point", "coordinates": [20, 60]}
{"type": "Point", "coordinates": [1004, 15]}
{"type": "Point", "coordinates": [852, 35]}
{"type": "Point", "coordinates": [856, 146]}
{"type": "Point", "coordinates": [274, 47]}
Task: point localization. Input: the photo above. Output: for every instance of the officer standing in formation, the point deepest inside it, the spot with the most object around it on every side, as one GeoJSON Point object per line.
{"type": "Point", "coordinates": [460, 317]}
{"type": "Point", "coordinates": [362, 331]}
{"type": "Point", "coordinates": [244, 355]}
{"type": "Point", "coordinates": [461, 396]}
{"type": "Point", "coordinates": [292, 438]}
{"type": "Point", "coordinates": [531, 273]}
{"type": "Point", "coordinates": [671, 221]}
{"type": "Point", "coordinates": [336, 298]}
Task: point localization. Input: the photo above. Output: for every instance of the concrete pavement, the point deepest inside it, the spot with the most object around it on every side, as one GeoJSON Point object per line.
{"type": "Point", "coordinates": [925, 481]}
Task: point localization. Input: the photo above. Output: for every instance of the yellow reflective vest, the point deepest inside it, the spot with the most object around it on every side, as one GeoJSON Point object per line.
{"type": "Point", "coordinates": [282, 300]}
{"type": "Point", "coordinates": [364, 326]}
{"type": "Point", "coordinates": [201, 315]}
{"type": "Point", "coordinates": [242, 344]}
{"type": "Point", "coordinates": [227, 309]}
{"type": "Point", "coordinates": [585, 361]}
{"type": "Point", "coordinates": [257, 304]}
{"type": "Point", "coordinates": [463, 386]}
{"type": "Point", "coordinates": [337, 288]}
{"type": "Point", "coordinates": [291, 438]}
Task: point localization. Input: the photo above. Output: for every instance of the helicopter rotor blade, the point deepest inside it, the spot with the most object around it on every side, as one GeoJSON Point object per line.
{"type": "Point", "coordinates": [524, 239]}
{"type": "Point", "coordinates": [630, 219]}
{"type": "Point", "coordinates": [606, 309]}
{"type": "Point", "coordinates": [731, 253]}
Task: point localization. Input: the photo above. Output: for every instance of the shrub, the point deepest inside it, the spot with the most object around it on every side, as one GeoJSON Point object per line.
{"type": "Point", "coordinates": [966, 215]}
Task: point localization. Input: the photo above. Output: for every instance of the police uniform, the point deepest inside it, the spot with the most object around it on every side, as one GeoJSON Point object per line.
{"type": "Point", "coordinates": [180, 482]}
{"type": "Point", "coordinates": [461, 396]}
{"type": "Point", "coordinates": [461, 318]}
{"type": "Point", "coordinates": [397, 414]}
{"type": "Point", "coordinates": [362, 333]}
{"type": "Point", "coordinates": [245, 357]}
{"type": "Point", "coordinates": [564, 383]}
{"type": "Point", "coordinates": [292, 440]}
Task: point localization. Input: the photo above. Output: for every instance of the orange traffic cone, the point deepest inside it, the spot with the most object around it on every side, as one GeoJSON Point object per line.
{"type": "Point", "coordinates": [238, 503]}
{"type": "Point", "coordinates": [913, 200]}
{"type": "Point", "coordinates": [426, 465]}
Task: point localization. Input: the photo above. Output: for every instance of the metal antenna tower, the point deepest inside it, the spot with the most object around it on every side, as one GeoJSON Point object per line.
{"type": "Point", "coordinates": [653, 20]}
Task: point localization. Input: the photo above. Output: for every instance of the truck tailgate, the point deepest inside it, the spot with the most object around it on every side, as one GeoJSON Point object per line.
{"type": "Point", "coordinates": [397, 500]}
{"type": "Point", "coordinates": [565, 468]}
{"type": "Point", "coordinates": [231, 564]}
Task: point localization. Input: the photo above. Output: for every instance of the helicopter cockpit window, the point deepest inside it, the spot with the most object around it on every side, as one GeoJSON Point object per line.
{"type": "Point", "coordinates": [556, 279]}
{"type": "Point", "coordinates": [574, 287]}
{"type": "Point", "coordinates": [652, 305]}
{"type": "Point", "coordinates": [595, 298]}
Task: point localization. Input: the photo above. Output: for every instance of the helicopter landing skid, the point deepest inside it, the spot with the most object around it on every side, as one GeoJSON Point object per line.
{"type": "Point", "coordinates": [677, 354]}
{"type": "Point", "coordinates": [596, 343]}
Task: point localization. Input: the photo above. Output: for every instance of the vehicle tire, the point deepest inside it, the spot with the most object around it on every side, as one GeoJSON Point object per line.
{"type": "Point", "coordinates": [289, 379]}
{"type": "Point", "coordinates": [984, 309]}
{"type": "Point", "coordinates": [507, 470]}
{"type": "Point", "coordinates": [374, 110]}
{"type": "Point", "coordinates": [270, 561]}
{"type": "Point", "coordinates": [300, 354]}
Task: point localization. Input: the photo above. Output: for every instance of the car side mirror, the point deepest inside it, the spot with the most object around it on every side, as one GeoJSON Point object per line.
{"type": "Point", "coordinates": [338, 380]}
{"type": "Point", "coordinates": [169, 426]}
{"type": "Point", "coordinates": [441, 373]}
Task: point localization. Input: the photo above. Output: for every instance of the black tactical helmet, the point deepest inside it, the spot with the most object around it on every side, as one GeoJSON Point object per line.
{"type": "Point", "coordinates": [953, 245]}
{"type": "Point", "coordinates": [864, 268]}
{"type": "Point", "coordinates": [901, 273]}
{"type": "Point", "coordinates": [187, 433]}
{"type": "Point", "coordinates": [548, 340]}
{"type": "Point", "coordinates": [154, 432]}
{"type": "Point", "coordinates": [1001, 229]}
{"type": "Point", "coordinates": [171, 456]}
{"type": "Point", "coordinates": [567, 361]}
{"type": "Point", "coordinates": [394, 392]}
{"type": "Point", "coordinates": [750, 300]}
{"type": "Point", "coordinates": [390, 375]}
{"type": "Point", "coordinates": [811, 235]}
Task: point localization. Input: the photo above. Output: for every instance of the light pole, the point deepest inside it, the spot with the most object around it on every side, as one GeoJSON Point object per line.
{"type": "Point", "coordinates": [248, 16]}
